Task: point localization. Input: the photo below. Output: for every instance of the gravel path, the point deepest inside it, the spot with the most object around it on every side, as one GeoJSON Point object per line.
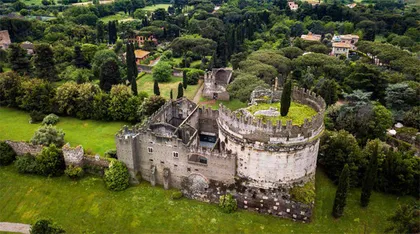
{"type": "Point", "coordinates": [15, 227]}
{"type": "Point", "coordinates": [198, 94]}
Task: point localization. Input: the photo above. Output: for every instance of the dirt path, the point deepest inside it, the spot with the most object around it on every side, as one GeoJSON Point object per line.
{"type": "Point", "coordinates": [15, 227]}
{"type": "Point", "coordinates": [198, 94]}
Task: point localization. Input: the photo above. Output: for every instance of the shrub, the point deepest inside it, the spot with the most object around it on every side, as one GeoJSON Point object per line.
{"type": "Point", "coordinates": [176, 195]}
{"type": "Point", "coordinates": [7, 154]}
{"type": "Point", "coordinates": [228, 203]}
{"type": "Point", "coordinates": [74, 172]}
{"type": "Point", "coordinates": [47, 135]}
{"type": "Point", "coordinates": [46, 226]}
{"type": "Point", "coordinates": [117, 177]}
{"type": "Point", "coordinates": [304, 194]}
{"type": "Point", "coordinates": [193, 75]}
{"type": "Point", "coordinates": [51, 119]}
{"type": "Point", "coordinates": [50, 162]}
{"type": "Point", "coordinates": [111, 153]}
{"type": "Point", "coordinates": [36, 116]}
{"type": "Point", "coordinates": [26, 164]}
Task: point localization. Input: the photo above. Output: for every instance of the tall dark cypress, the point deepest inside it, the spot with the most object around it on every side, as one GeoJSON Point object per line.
{"type": "Point", "coordinates": [341, 193]}
{"type": "Point", "coordinates": [171, 96]}
{"type": "Point", "coordinates": [370, 177]}
{"type": "Point", "coordinates": [180, 91]}
{"type": "Point", "coordinates": [18, 59]}
{"type": "Point", "coordinates": [100, 32]}
{"type": "Point", "coordinates": [286, 97]}
{"type": "Point", "coordinates": [184, 79]}
{"type": "Point", "coordinates": [78, 60]}
{"type": "Point", "coordinates": [156, 89]}
{"type": "Point", "coordinates": [44, 62]}
{"type": "Point", "coordinates": [110, 32]}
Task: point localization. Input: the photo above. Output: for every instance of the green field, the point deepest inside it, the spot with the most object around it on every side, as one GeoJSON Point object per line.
{"type": "Point", "coordinates": [120, 16]}
{"type": "Point", "coordinates": [157, 6]}
{"type": "Point", "coordinates": [86, 205]}
{"type": "Point", "coordinates": [297, 112]}
{"type": "Point", "coordinates": [95, 136]}
{"type": "Point", "coordinates": [145, 83]}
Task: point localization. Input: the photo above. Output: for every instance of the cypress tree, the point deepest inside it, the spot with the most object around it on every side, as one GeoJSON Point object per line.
{"type": "Point", "coordinates": [171, 96]}
{"type": "Point", "coordinates": [100, 31]}
{"type": "Point", "coordinates": [156, 90]}
{"type": "Point", "coordinates": [131, 68]}
{"type": "Point", "coordinates": [180, 91]}
{"type": "Point", "coordinates": [286, 97]}
{"type": "Point", "coordinates": [370, 177]}
{"type": "Point", "coordinates": [109, 32]}
{"type": "Point", "coordinates": [135, 70]}
{"type": "Point", "coordinates": [18, 60]}
{"type": "Point", "coordinates": [341, 193]}
{"type": "Point", "coordinates": [184, 79]}
{"type": "Point", "coordinates": [78, 60]}
{"type": "Point", "coordinates": [44, 62]}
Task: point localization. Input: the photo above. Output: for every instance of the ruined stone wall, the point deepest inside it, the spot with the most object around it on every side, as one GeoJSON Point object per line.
{"type": "Point", "coordinates": [22, 148]}
{"type": "Point", "coordinates": [208, 119]}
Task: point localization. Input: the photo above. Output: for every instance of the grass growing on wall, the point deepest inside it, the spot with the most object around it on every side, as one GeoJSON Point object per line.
{"type": "Point", "coordinates": [95, 136]}
{"type": "Point", "coordinates": [86, 205]}
{"type": "Point", "coordinates": [297, 113]}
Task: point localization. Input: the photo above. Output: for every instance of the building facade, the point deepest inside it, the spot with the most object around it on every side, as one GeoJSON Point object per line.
{"type": "Point", "coordinates": [207, 153]}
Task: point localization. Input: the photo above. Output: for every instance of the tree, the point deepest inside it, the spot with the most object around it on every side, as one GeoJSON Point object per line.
{"type": "Point", "coordinates": [180, 91]}
{"type": "Point", "coordinates": [151, 105]}
{"type": "Point", "coordinates": [18, 59]}
{"type": "Point", "coordinates": [406, 219]}
{"type": "Point", "coordinates": [132, 71]}
{"type": "Point", "coordinates": [162, 72]}
{"type": "Point", "coordinates": [328, 91]}
{"type": "Point", "coordinates": [66, 98]}
{"type": "Point", "coordinates": [7, 154]}
{"type": "Point", "coordinates": [117, 177]}
{"type": "Point", "coordinates": [286, 97]}
{"type": "Point", "coordinates": [45, 226]}
{"type": "Point", "coordinates": [184, 79]}
{"type": "Point", "coordinates": [50, 162]}
{"type": "Point", "coordinates": [109, 74]}
{"type": "Point", "coordinates": [156, 90]}
{"type": "Point", "coordinates": [100, 31]}
{"type": "Point", "coordinates": [112, 32]}
{"type": "Point", "coordinates": [99, 58]}
{"type": "Point", "coordinates": [243, 85]}
{"type": "Point", "coordinates": [370, 177]}
{"type": "Point", "coordinates": [10, 89]}
{"type": "Point", "coordinates": [78, 59]}
{"type": "Point", "coordinates": [36, 94]}
{"type": "Point", "coordinates": [400, 98]}
{"type": "Point", "coordinates": [48, 134]}
{"type": "Point", "coordinates": [341, 193]}
{"type": "Point", "coordinates": [119, 98]}
{"type": "Point", "coordinates": [171, 95]}
{"type": "Point", "coordinates": [44, 62]}
{"type": "Point", "coordinates": [337, 149]}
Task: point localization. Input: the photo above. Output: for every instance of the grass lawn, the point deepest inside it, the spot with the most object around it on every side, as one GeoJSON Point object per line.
{"type": "Point", "coordinates": [145, 83]}
{"type": "Point", "coordinates": [297, 112]}
{"type": "Point", "coordinates": [157, 6]}
{"type": "Point", "coordinates": [33, 2]}
{"type": "Point", "coordinates": [97, 136]}
{"type": "Point", "coordinates": [86, 205]}
{"type": "Point", "coordinates": [119, 16]}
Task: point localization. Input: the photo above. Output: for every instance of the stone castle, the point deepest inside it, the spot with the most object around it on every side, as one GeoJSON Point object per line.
{"type": "Point", "coordinates": [207, 153]}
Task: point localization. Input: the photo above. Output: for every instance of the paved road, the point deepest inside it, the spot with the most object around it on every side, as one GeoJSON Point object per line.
{"type": "Point", "coordinates": [15, 227]}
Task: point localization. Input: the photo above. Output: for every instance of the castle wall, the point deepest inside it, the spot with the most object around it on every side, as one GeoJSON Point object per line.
{"type": "Point", "coordinates": [218, 167]}
{"type": "Point", "coordinates": [271, 169]}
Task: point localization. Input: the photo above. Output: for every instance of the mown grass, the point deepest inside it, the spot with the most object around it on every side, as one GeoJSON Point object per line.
{"type": "Point", "coordinates": [95, 136]}
{"type": "Point", "coordinates": [118, 16]}
{"type": "Point", "coordinates": [145, 83]}
{"type": "Point", "coordinates": [157, 6]}
{"type": "Point", "coordinates": [86, 205]}
{"type": "Point", "coordinates": [297, 113]}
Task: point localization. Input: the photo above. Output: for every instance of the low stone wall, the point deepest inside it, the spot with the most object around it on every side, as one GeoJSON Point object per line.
{"type": "Point", "coordinates": [72, 156]}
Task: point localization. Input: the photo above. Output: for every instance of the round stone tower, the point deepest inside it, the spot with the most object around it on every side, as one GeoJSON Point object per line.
{"type": "Point", "coordinates": [272, 159]}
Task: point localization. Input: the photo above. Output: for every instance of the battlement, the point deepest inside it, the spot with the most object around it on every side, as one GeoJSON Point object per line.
{"type": "Point", "coordinates": [212, 153]}
{"type": "Point", "coordinates": [255, 128]}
